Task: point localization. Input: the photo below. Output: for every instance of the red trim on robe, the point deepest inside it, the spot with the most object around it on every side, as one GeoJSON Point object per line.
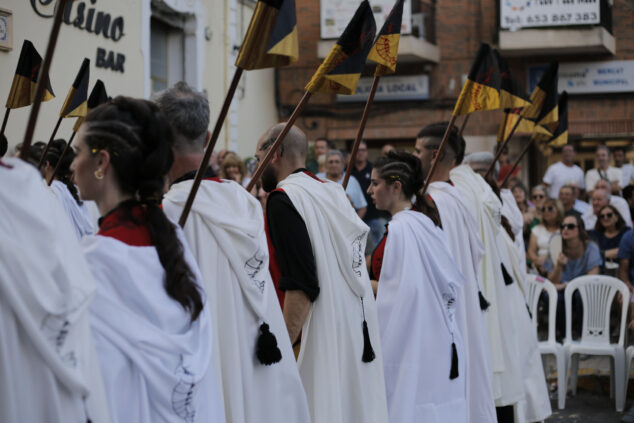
{"type": "Point", "coordinates": [3, 164]}
{"type": "Point", "coordinates": [312, 175]}
{"type": "Point", "coordinates": [377, 257]}
{"type": "Point", "coordinates": [115, 226]}
{"type": "Point", "coordinates": [214, 179]}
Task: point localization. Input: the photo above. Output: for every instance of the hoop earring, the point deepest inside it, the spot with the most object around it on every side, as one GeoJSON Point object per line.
{"type": "Point", "coordinates": [99, 174]}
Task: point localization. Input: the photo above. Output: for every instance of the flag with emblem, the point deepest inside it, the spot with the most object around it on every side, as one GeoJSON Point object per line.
{"type": "Point", "coordinates": [526, 126]}
{"type": "Point", "coordinates": [271, 40]}
{"type": "Point", "coordinates": [481, 91]}
{"type": "Point", "coordinates": [98, 96]}
{"type": "Point", "coordinates": [512, 95]}
{"type": "Point", "coordinates": [559, 135]}
{"type": "Point", "coordinates": [385, 49]}
{"type": "Point", "coordinates": [340, 71]}
{"type": "Point", "coordinates": [75, 104]}
{"type": "Point", "coordinates": [22, 92]}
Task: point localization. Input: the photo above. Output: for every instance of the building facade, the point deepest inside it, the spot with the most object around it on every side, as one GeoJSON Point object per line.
{"type": "Point", "coordinates": [137, 48]}
{"type": "Point", "coordinates": [592, 39]}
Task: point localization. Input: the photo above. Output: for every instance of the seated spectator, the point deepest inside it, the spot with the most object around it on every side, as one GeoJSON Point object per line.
{"type": "Point", "coordinates": [334, 172]}
{"type": "Point", "coordinates": [528, 210]}
{"type": "Point", "coordinates": [620, 161]}
{"type": "Point", "coordinates": [608, 232]}
{"type": "Point", "coordinates": [538, 197]}
{"type": "Point", "coordinates": [628, 195]}
{"type": "Point", "coordinates": [579, 257]}
{"type": "Point", "coordinates": [626, 267]}
{"type": "Point", "coordinates": [569, 200]}
{"type": "Point", "coordinates": [541, 234]}
{"type": "Point", "coordinates": [580, 205]}
{"type": "Point", "coordinates": [603, 171]}
{"type": "Point", "coordinates": [233, 168]}
{"type": "Point", "coordinates": [601, 197]}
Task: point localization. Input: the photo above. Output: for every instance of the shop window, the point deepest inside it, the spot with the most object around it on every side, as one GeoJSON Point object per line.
{"type": "Point", "coordinates": [167, 54]}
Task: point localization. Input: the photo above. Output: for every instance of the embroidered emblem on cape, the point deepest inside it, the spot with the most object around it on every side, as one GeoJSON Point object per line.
{"type": "Point", "coordinates": [253, 266]}
{"type": "Point", "coordinates": [56, 329]}
{"type": "Point", "coordinates": [449, 300]}
{"type": "Point", "coordinates": [183, 394]}
{"type": "Point", "coordinates": [357, 255]}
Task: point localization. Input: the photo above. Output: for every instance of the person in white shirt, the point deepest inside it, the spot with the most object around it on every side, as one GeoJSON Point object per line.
{"type": "Point", "coordinates": [334, 172]}
{"type": "Point", "coordinates": [621, 162]}
{"type": "Point", "coordinates": [563, 172]}
{"type": "Point", "coordinates": [603, 171]}
{"type": "Point", "coordinates": [600, 198]}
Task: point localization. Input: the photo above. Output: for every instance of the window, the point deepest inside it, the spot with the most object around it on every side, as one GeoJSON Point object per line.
{"type": "Point", "coordinates": [167, 54]}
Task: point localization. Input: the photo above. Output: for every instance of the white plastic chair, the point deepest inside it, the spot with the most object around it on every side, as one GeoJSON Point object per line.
{"type": "Point", "coordinates": [629, 355]}
{"type": "Point", "coordinates": [534, 286]}
{"type": "Point", "coordinates": [597, 293]}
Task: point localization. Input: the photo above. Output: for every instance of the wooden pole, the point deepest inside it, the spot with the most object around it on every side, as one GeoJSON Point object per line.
{"type": "Point", "coordinates": [61, 157]}
{"type": "Point", "coordinates": [464, 124]}
{"type": "Point", "coordinates": [59, 121]}
{"type": "Point", "coordinates": [298, 110]}
{"type": "Point", "coordinates": [42, 78]}
{"type": "Point", "coordinates": [210, 146]}
{"type": "Point", "coordinates": [4, 121]}
{"type": "Point", "coordinates": [364, 120]}
{"type": "Point", "coordinates": [437, 158]}
{"type": "Point", "coordinates": [499, 152]}
{"type": "Point", "coordinates": [526, 147]}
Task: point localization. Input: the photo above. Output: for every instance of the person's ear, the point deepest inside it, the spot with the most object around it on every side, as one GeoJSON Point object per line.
{"type": "Point", "coordinates": [103, 160]}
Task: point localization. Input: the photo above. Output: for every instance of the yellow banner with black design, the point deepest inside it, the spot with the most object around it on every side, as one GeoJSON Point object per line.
{"type": "Point", "coordinates": [512, 95]}
{"type": "Point", "coordinates": [22, 92]}
{"type": "Point", "coordinates": [544, 99]}
{"type": "Point", "coordinates": [271, 40]}
{"type": "Point", "coordinates": [481, 91]}
{"type": "Point", "coordinates": [98, 96]}
{"type": "Point", "coordinates": [559, 136]}
{"type": "Point", "coordinates": [526, 126]}
{"type": "Point", "coordinates": [339, 73]}
{"type": "Point", "coordinates": [75, 104]}
{"type": "Point", "coordinates": [385, 49]}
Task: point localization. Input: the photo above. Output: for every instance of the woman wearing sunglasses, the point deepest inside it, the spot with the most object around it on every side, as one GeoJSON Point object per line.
{"type": "Point", "coordinates": [579, 257]}
{"type": "Point", "coordinates": [538, 197]}
{"type": "Point", "coordinates": [608, 231]}
{"type": "Point", "coordinates": [552, 213]}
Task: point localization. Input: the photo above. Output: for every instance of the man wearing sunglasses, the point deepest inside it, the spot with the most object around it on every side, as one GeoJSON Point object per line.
{"type": "Point", "coordinates": [563, 172]}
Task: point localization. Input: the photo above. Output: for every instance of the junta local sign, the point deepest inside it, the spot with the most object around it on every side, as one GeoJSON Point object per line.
{"type": "Point", "coordinates": [517, 14]}
{"type": "Point", "coordinates": [85, 16]}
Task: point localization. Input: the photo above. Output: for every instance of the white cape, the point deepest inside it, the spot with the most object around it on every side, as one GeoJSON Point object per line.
{"type": "Point", "coordinates": [463, 237]}
{"type": "Point", "coordinates": [508, 386]}
{"type": "Point", "coordinates": [79, 216]}
{"type": "Point", "coordinates": [157, 366]}
{"type": "Point", "coordinates": [225, 230]}
{"type": "Point", "coordinates": [416, 303]}
{"type": "Point", "coordinates": [514, 215]}
{"type": "Point", "coordinates": [48, 365]}
{"type": "Point", "coordinates": [340, 387]}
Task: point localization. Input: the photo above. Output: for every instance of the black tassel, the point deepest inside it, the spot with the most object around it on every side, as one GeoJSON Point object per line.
{"type": "Point", "coordinates": [508, 280]}
{"type": "Point", "coordinates": [453, 373]}
{"type": "Point", "coordinates": [368, 351]}
{"type": "Point", "coordinates": [484, 304]}
{"type": "Point", "coordinates": [266, 349]}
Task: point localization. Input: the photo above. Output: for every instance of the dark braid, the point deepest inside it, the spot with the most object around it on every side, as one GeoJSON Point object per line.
{"type": "Point", "coordinates": [406, 168]}
{"type": "Point", "coordinates": [64, 173]}
{"type": "Point", "coordinates": [139, 140]}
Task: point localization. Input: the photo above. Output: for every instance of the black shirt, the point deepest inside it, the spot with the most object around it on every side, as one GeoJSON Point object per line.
{"type": "Point", "coordinates": [291, 242]}
{"type": "Point", "coordinates": [364, 176]}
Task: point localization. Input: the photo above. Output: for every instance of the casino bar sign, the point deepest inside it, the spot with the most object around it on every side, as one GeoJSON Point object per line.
{"type": "Point", "coordinates": [82, 15]}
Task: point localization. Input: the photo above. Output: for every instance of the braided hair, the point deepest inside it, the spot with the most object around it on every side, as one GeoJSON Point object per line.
{"type": "Point", "coordinates": [139, 140]}
{"type": "Point", "coordinates": [64, 173]}
{"type": "Point", "coordinates": [406, 168]}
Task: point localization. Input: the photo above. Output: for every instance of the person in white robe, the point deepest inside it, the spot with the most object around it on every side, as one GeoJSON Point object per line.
{"type": "Point", "coordinates": [225, 230]}
{"type": "Point", "coordinates": [48, 364]}
{"type": "Point", "coordinates": [463, 236]}
{"type": "Point", "coordinates": [150, 317]}
{"type": "Point", "coordinates": [340, 359]}
{"type": "Point", "coordinates": [423, 353]}
{"type": "Point", "coordinates": [78, 212]}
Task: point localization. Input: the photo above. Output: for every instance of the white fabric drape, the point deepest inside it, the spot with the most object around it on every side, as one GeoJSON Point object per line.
{"type": "Point", "coordinates": [225, 230]}
{"type": "Point", "coordinates": [79, 216]}
{"type": "Point", "coordinates": [340, 387]}
{"type": "Point", "coordinates": [48, 365]}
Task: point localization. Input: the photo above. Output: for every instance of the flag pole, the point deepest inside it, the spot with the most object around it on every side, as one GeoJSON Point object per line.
{"type": "Point", "coordinates": [41, 80]}
{"type": "Point", "coordinates": [61, 157]}
{"type": "Point", "coordinates": [437, 158]}
{"type": "Point", "coordinates": [506, 141]}
{"type": "Point", "coordinates": [4, 121]}
{"type": "Point", "coordinates": [464, 124]}
{"type": "Point", "coordinates": [210, 146]}
{"type": "Point", "coordinates": [507, 177]}
{"type": "Point", "coordinates": [364, 120]}
{"type": "Point", "coordinates": [298, 110]}
{"type": "Point", "coordinates": [41, 162]}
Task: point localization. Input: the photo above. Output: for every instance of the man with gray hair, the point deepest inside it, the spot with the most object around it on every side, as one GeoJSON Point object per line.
{"type": "Point", "coordinates": [600, 198]}
{"type": "Point", "coordinates": [252, 354]}
{"type": "Point", "coordinates": [334, 172]}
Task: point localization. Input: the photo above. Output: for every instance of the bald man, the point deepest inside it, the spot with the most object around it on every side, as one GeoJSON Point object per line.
{"type": "Point", "coordinates": [319, 242]}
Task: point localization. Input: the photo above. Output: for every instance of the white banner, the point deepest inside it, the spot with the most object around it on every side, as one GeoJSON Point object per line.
{"type": "Point", "coordinates": [615, 76]}
{"type": "Point", "coordinates": [517, 14]}
{"type": "Point", "coordinates": [335, 15]}
{"type": "Point", "coordinates": [391, 88]}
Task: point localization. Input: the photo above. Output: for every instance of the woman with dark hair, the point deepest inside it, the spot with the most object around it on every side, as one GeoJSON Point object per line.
{"type": "Point", "coordinates": [579, 256]}
{"type": "Point", "coordinates": [65, 189]}
{"type": "Point", "coordinates": [608, 231]}
{"type": "Point", "coordinates": [151, 327]}
{"type": "Point", "coordinates": [552, 213]}
{"type": "Point", "coordinates": [416, 300]}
